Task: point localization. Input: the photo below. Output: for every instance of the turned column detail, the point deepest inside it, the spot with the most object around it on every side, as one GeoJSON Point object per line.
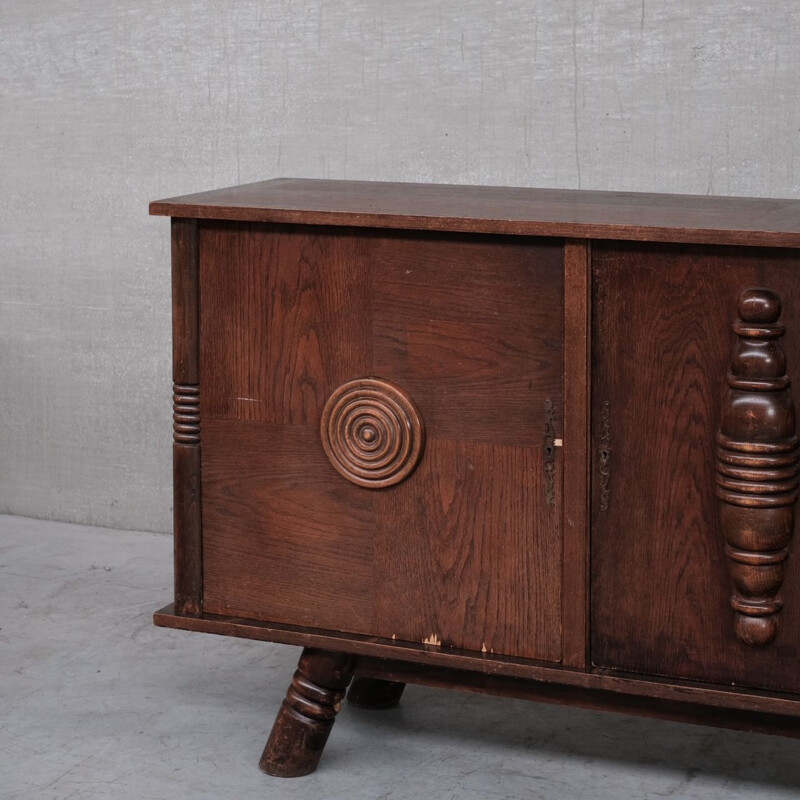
{"type": "Point", "coordinates": [307, 714]}
{"type": "Point", "coordinates": [757, 467]}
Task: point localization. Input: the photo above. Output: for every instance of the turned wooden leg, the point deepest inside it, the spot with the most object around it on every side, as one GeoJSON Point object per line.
{"type": "Point", "coordinates": [374, 693]}
{"type": "Point", "coordinates": [307, 714]}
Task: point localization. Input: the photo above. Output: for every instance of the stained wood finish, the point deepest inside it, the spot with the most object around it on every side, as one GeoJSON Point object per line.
{"type": "Point", "coordinates": [468, 550]}
{"type": "Point", "coordinates": [575, 589]}
{"type": "Point", "coordinates": [472, 328]}
{"type": "Point", "coordinates": [503, 210]}
{"type": "Point", "coordinates": [661, 350]}
{"type": "Point", "coordinates": [558, 694]}
{"type": "Point", "coordinates": [498, 332]}
{"type": "Point", "coordinates": [375, 694]}
{"type": "Point", "coordinates": [470, 331]}
{"type": "Point", "coordinates": [606, 680]}
{"type": "Point", "coordinates": [307, 714]}
{"type": "Point", "coordinates": [286, 538]}
{"type": "Point", "coordinates": [286, 319]}
{"type": "Point", "coordinates": [372, 432]}
{"type": "Point", "coordinates": [757, 467]}
{"type": "Point", "coordinates": [188, 555]}
{"type": "Point", "coordinates": [479, 569]}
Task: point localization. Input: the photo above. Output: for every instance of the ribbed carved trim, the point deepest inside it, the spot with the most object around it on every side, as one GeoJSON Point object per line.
{"type": "Point", "coordinates": [186, 414]}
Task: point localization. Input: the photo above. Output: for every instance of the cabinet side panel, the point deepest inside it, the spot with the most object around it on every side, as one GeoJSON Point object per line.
{"type": "Point", "coordinates": [186, 416]}
{"type": "Point", "coordinates": [662, 339]}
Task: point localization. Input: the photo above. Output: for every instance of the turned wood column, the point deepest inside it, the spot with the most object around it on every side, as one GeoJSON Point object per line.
{"type": "Point", "coordinates": [307, 714]}
{"type": "Point", "coordinates": [757, 467]}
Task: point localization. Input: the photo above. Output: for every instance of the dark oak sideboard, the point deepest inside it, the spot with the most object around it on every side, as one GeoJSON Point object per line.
{"type": "Point", "coordinates": [528, 442]}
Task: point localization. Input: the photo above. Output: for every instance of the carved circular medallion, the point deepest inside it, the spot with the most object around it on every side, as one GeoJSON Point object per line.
{"type": "Point", "coordinates": [372, 432]}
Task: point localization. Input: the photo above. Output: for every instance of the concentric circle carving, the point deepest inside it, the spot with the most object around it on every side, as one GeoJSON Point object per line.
{"type": "Point", "coordinates": [372, 432]}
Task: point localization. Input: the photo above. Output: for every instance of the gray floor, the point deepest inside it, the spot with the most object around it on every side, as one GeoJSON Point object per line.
{"type": "Point", "coordinates": [97, 703]}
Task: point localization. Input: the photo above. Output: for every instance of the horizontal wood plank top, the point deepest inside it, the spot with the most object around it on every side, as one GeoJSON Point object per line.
{"type": "Point", "coordinates": [503, 210]}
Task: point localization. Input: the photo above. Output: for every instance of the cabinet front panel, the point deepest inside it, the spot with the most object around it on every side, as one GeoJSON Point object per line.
{"type": "Point", "coordinates": [662, 346]}
{"type": "Point", "coordinates": [466, 550]}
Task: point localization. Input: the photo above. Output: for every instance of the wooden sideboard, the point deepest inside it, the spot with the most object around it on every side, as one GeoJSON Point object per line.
{"type": "Point", "coordinates": [529, 442]}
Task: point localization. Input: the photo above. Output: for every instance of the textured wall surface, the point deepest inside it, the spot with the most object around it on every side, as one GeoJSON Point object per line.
{"type": "Point", "coordinates": [106, 104]}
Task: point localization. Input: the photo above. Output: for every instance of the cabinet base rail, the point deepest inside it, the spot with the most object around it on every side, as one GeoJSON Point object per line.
{"type": "Point", "coordinates": [380, 669]}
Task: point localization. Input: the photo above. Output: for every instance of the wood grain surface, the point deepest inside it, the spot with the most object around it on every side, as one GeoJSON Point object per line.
{"type": "Point", "coordinates": [471, 326]}
{"type": "Point", "coordinates": [187, 516]}
{"type": "Point", "coordinates": [466, 551]}
{"type": "Point", "coordinates": [285, 537]}
{"type": "Point", "coordinates": [426, 657]}
{"type": "Point", "coordinates": [662, 340]}
{"type": "Point", "coordinates": [286, 318]}
{"type": "Point", "coordinates": [307, 714]}
{"type": "Point", "coordinates": [482, 209]}
{"type": "Point", "coordinates": [576, 454]}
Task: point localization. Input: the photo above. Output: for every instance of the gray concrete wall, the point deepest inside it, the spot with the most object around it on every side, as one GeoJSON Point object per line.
{"type": "Point", "coordinates": [107, 104]}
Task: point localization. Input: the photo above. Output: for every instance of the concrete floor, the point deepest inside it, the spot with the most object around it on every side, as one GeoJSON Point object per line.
{"type": "Point", "coordinates": [97, 703]}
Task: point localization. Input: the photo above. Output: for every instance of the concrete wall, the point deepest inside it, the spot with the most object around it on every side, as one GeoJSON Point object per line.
{"type": "Point", "coordinates": [107, 104]}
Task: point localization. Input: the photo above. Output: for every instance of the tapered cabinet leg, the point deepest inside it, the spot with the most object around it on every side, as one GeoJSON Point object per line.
{"type": "Point", "coordinates": [374, 693]}
{"type": "Point", "coordinates": [307, 714]}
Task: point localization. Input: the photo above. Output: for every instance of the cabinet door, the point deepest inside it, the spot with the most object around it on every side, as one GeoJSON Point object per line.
{"type": "Point", "coordinates": [662, 347]}
{"type": "Point", "coordinates": [466, 331]}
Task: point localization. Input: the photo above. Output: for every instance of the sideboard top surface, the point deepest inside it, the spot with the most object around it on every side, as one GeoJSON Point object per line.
{"type": "Point", "coordinates": [500, 210]}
